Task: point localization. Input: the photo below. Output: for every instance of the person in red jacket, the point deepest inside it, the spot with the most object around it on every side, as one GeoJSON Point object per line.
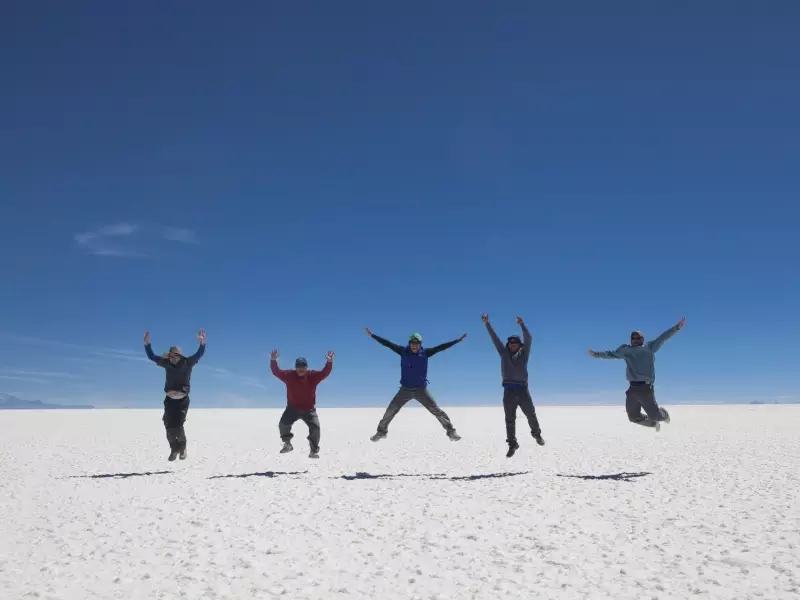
{"type": "Point", "coordinates": [301, 400]}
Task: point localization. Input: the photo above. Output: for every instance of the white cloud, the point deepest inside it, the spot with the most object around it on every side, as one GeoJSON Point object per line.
{"type": "Point", "coordinates": [176, 234]}
{"type": "Point", "coordinates": [127, 239]}
{"type": "Point", "coordinates": [21, 378]}
{"type": "Point", "coordinates": [108, 240]}
{"type": "Point", "coordinates": [38, 374]}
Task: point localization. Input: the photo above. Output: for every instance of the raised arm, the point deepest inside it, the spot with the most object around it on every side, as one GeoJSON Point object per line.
{"type": "Point", "coordinates": [148, 349]}
{"type": "Point", "coordinates": [527, 338]}
{"type": "Point", "coordinates": [273, 366]}
{"type": "Point", "coordinates": [326, 370]}
{"type": "Point", "coordinates": [385, 342]}
{"type": "Point", "coordinates": [618, 353]}
{"type": "Point", "coordinates": [495, 340]}
{"type": "Point", "coordinates": [656, 344]}
{"type": "Point", "coordinates": [441, 347]}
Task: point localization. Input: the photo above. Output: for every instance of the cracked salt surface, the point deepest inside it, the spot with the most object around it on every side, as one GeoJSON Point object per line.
{"type": "Point", "coordinates": [91, 509]}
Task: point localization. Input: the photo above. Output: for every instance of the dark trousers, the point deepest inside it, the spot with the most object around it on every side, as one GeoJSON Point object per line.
{"type": "Point", "coordinates": [174, 418]}
{"type": "Point", "coordinates": [421, 395]}
{"type": "Point", "coordinates": [519, 397]}
{"type": "Point", "coordinates": [309, 417]}
{"type": "Point", "coordinates": [642, 396]}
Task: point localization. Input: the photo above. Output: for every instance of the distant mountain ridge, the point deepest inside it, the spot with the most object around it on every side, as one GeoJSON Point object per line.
{"type": "Point", "coordinates": [9, 402]}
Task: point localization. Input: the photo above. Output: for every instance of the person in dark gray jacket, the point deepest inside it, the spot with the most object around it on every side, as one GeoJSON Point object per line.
{"type": "Point", "coordinates": [640, 360]}
{"type": "Point", "coordinates": [514, 357]}
{"type": "Point", "coordinates": [177, 386]}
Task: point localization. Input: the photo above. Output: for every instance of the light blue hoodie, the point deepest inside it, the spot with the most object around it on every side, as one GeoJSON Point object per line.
{"type": "Point", "coordinates": [640, 360]}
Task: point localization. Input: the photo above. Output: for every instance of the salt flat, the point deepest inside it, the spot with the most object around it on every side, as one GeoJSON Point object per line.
{"type": "Point", "coordinates": [710, 507]}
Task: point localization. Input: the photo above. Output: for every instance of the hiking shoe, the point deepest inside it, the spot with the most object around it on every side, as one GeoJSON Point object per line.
{"type": "Point", "coordinates": [173, 455]}
{"type": "Point", "coordinates": [287, 447]}
{"type": "Point", "coordinates": [378, 436]}
{"type": "Point", "coordinates": [182, 455]}
{"type": "Point", "coordinates": [539, 439]}
{"type": "Point", "coordinates": [664, 414]}
{"type": "Point", "coordinates": [454, 437]}
{"type": "Point", "coordinates": [314, 453]}
{"type": "Point", "coordinates": [512, 448]}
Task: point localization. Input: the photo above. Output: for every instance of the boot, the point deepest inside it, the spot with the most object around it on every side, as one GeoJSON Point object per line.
{"type": "Point", "coordinates": [539, 439]}
{"type": "Point", "coordinates": [454, 437]}
{"type": "Point", "coordinates": [182, 455]}
{"type": "Point", "coordinates": [314, 453]}
{"type": "Point", "coordinates": [173, 455]}
{"type": "Point", "coordinates": [512, 448]}
{"type": "Point", "coordinates": [287, 447]}
{"type": "Point", "coordinates": [378, 436]}
{"type": "Point", "coordinates": [664, 414]}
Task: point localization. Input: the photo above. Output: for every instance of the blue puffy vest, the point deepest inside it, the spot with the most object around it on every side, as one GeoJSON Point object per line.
{"type": "Point", "coordinates": [414, 368]}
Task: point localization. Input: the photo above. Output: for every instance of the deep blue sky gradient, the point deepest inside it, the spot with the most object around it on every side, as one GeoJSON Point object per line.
{"type": "Point", "coordinates": [594, 167]}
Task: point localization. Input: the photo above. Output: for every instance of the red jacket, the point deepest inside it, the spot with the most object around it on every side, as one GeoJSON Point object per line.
{"type": "Point", "coordinates": [301, 392]}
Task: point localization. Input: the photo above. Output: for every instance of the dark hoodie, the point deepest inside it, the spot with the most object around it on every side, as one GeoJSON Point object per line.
{"type": "Point", "coordinates": [178, 375]}
{"type": "Point", "coordinates": [514, 366]}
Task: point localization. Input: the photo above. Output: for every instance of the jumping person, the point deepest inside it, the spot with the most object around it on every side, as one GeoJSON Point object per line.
{"type": "Point", "coordinates": [414, 382]}
{"type": "Point", "coordinates": [641, 374]}
{"type": "Point", "coordinates": [301, 400]}
{"type": "Point", "coordinates": [514, 357]}
{"type": "Point", "coordinates": [176, 404]}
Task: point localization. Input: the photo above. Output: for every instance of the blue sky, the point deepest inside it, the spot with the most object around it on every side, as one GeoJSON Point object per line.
{"type": "Point", "coordinates": [285, 174]}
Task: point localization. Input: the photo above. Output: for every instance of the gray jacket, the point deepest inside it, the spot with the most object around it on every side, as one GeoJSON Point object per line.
{"type": "Point", "coordinates": [640, 360]}
{"type": "Point", "coordinates": [514, 366]}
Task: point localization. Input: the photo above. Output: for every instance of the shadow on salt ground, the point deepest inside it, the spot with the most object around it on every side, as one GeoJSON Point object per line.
{"type": "Point", "coordinates": [263, 474]}
{"type": "Point", "coordinates": [435, 476]}
{"type": "Point", "coordinates": [615, 477]}
{"type": "Point", "coordinates": [119, 475]}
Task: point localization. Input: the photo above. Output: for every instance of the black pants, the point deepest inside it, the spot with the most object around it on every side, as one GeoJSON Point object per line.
{"type": "Point", "coordinates": [309, 417]}
{"type": "Point", "coordinates": [519, 397]}
{"type": "Point", "coordinates": [174, 418]}
{"type": "Point", "coordinates": [642, 396]}
{"type": "Point", "coordinates": [421, 395]}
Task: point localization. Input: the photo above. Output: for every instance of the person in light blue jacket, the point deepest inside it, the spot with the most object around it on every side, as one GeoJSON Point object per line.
{"type": "Point", "coordinates": [639, 357]}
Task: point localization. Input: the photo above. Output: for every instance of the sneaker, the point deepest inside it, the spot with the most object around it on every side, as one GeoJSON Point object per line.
{"type": "Point", "coordinates": [287, 447]}
{"type": "Point", "coordinates": [539, 439]}
{"type": "Point", "coordinates": [512, 448]}
{"type": "Point", "coordinates": [173, 455]}
{"type": "Point", "coordinates": [657, 426]}
{"type": "Point", "coordinates": [378, 436]}
{"type": "Point", "coordinates": [664, 414]}
{"type": "Point", "coordinates": [313, 454]}
{"type": "Point", "coordinates": [182, 455]}
{"type": "Point", "coordinates": [454, 437]}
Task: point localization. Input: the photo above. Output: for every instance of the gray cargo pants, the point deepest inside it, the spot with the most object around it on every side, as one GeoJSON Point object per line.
{"type": "Point", "coordinates": [642, 396]}
{"type": "Point", "coordinates": [421, 395]}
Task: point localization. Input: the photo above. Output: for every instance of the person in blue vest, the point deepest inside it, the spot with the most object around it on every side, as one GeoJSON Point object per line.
{"type": "Point", "coordinates": [414, 382]}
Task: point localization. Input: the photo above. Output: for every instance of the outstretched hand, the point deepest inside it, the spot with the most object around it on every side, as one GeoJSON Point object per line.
{"type": "Point", "coordinates": [330, 356]}
{"type": "Point", "coordinates": [520, 321]}
{"type": "Point", "coordinates": [273, 355]}
{"type": "Point", "coordinates": [369, 332]}
{"type": "Point", "coordinates": [201, 335]}
{"type": "Point", "coordinates": [146, 338]}
{"type": "Point", "coordinates": [462, 337]}
{"type": "Point", "coordinates": [681, 322]}
{"type": "Point", "coordinates": [485, 318]}
{"type": "Point", "coordinates": [593, 353]}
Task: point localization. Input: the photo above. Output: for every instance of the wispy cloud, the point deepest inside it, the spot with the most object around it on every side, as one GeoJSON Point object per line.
{"type": "Point", "coordinates": [10, 373]}
{"type": "Point", "coordinates": [245, 380]}
{"type": "Point", "coordinates": [176, 234]}
{"type": "Point", "coordinates": [128, 239]}
{"type": "Point", "coordinates": [111, 353]}
{"type": "Point", "coordinates": [22, 378]}
{"type": "Point", "coordinates": [109, 241]}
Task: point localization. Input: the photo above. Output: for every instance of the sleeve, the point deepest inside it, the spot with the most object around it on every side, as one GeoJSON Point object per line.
{"type": "Point", "coordinates": [656, 344]}
{"type": "Point", "coordinates": [197, 355]}
{"type": "Point", "coordinates": [273, 366]}
{"type": "Point", "coordinates": [495, 340]}
{"type": "Point", "coordinates": [323, 374]}
{"type": "Point", "coordinates": [618, 353]}
{"type": "Point", "coordinates": [441, 347]}
{"type": "Point", "coordinates": [388, 344]}
{"type": "Point", "coordinates": [159, 360]}
{"type": "Point", "coordinates": [527, 338]}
